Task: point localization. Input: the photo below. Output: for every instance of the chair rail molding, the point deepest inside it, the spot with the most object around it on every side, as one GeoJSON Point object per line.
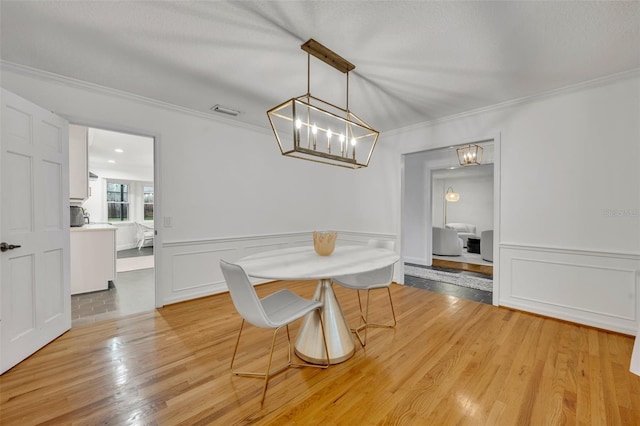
{"type": "Point", "coordinates": [598, 288]}
{"type": "Point", "coordinates": [190, 267]}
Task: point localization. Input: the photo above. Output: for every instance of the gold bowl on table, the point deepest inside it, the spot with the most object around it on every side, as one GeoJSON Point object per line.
{"type": "Point", "coordinates": [324, 242]}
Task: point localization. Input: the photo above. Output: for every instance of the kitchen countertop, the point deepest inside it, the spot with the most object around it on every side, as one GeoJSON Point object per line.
{"type": "Point", "coordinates": [93, 227]}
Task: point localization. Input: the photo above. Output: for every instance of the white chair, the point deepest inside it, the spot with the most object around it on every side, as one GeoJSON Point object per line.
{"type": "Point", "coordinates": [144, 234]}
{"type": "Point", "coordinates": [274, 311]}
{"type": "Point", "coordinates": [379, 278]}
{"type": "Point", "coordinates": [446, 242]}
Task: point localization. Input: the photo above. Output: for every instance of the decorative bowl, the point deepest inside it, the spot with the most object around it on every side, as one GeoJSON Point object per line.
{"type": "Point", "coordinates": [324, 242]}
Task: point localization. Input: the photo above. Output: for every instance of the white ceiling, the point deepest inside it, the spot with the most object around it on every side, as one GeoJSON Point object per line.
{"type": "Point", "coordinates": [135, 162]}
{"type": "Point", "coordinates": [415, 60]}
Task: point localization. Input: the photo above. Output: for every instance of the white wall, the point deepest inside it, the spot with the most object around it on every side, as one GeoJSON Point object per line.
{"type": "Point", "coordinates": [568, 236]}
{"type": "Point", "coordinates": [416, 230]}
{"type": "Point", "coordinates": [569, 230]}
{"type": "Point", "coordinates": [226, 189]}
{"type": "Point", "coordinates": [475, 205]}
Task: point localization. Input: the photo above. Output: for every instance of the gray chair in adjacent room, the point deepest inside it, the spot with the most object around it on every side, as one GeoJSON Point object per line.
{"type": "Point", "coordinates": [486, 245]}
{"type": "Point", "coordinates": [275, 311]}
{"type": "Point", "coordinates": [464, 230]}
{"type": "Point", "coordinates": [377, 279]}
{"type": "Point", "coordinates": [446, 242]}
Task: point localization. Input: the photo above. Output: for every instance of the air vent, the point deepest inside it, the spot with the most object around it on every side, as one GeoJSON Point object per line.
{"type": "Point", "coordinates": [224, 110]}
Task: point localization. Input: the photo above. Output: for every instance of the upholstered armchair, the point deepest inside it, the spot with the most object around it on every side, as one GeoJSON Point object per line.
{"type": "Point", "coordinates": [464, 230]}
{"type": "Point", "coordinates": [486, 245]}
{"type": "Point", "coordinates": [446, 242]}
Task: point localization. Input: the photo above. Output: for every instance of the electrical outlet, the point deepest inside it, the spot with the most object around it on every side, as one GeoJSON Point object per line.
{"type": "Point", "coordinates": [168, 221]}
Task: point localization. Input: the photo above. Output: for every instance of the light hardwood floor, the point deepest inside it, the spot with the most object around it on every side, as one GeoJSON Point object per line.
{"type": "Point", "coordinates": [449, 361]}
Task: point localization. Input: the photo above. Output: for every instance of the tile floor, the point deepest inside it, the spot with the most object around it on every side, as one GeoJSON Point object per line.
{"type": "Point", "coordinates": [131, 293]}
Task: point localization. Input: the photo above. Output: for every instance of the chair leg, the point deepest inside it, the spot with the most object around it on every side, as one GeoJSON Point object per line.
{"type": "Point", "coordinates": [362, 317]}
{"type": "Point", "coordinates": [365, 326]}
{"type": "Point", "coordinates": [235, 349]}
{"type": "Point", "coordinates": [393, 312]}
{"type": "Point", "coordinates": [267, 375]}
{"type": "Point", "coordinates": [365, 317]}
{"type": "Point", "coordinates": [324, 338]}
{"type": "Point", "coordinates": [288, 345]}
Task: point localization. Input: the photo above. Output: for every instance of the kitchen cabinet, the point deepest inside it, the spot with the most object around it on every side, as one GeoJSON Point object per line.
{"type": "Point", "coordinates": [93, 257]}
{"type": "Point", "coordinates": [78, 164]}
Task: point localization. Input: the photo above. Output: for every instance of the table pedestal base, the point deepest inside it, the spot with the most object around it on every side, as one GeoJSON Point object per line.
{"type": "Point", "coordinates": [309, 344]}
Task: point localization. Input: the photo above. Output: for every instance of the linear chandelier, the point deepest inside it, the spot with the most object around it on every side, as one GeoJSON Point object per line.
{"type": "Point", "coordinates": [470, 155]}
{"type": "Point", "coordinates": [309, 128]}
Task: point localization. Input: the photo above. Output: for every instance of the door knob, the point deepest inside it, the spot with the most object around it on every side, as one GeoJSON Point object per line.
{"type": "Point", "coordinates": [4, 246]}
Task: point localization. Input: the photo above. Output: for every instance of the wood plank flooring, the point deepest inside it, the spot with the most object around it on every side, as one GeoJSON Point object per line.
{"type": "Point", "coordinates": [463, 266]}
{"type": "Point", "coordinates": [449, 361]}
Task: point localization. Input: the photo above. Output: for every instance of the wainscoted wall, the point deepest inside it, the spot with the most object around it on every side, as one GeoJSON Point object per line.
{"type": "Point", "coordinates": [191, 268]}
{"type": "Point", "coordinates": [601, 289]}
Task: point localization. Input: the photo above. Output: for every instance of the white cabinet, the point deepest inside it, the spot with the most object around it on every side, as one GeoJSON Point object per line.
{"type": "Point", "coordinates": [78, 164]}
{"type": "Point", "coordinates": [93, 258]}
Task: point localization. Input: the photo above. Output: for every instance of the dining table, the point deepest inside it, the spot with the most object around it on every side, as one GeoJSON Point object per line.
{"type": "Point", "coordinates": [303, 263]}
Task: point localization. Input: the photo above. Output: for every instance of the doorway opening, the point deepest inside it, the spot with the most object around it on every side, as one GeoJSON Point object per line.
{"type": "Point", "coordinates": [449, 215]}
{"type": "Point", "coordinates": [461, 220]}
{"type": "Point", "coordinates": [121, 197]}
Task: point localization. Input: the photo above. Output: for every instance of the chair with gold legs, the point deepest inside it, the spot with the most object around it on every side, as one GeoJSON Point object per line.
{"type": "Point", "coordinates": [275, 311]}
{"type": "Point", "coordinates": [377, 279]}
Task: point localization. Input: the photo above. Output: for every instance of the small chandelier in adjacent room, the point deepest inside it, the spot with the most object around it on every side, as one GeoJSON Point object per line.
{"type": "Point", "coordinates": [309, 128]}
{"type": "Point", "coordinates": [470, 155]}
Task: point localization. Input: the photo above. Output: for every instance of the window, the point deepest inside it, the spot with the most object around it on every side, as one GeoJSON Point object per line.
{"type": "Point", "coordinates": [148, 203]}
{"type": "Point", "coordinates": [117, 202]}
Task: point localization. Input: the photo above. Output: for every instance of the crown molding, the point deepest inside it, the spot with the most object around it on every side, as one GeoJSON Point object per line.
{"type": "Point", "coordinates": [96, 88]}
{"type": "Point", "coordinates": [601, 81]}
{"type": "Point", "coordinates": [103, 90]}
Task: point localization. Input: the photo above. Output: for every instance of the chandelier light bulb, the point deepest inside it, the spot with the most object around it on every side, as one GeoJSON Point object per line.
{"type": "Point", "coordinates": [298, 123]}
{"type": "Point", "coordinates": [353, 141]}
{"type": "Point", "coordinates": [314, 129]}
{"type": "Point", "coordinates": [329, 133]}
{"type": "Point", "coordinates": [341, 138]}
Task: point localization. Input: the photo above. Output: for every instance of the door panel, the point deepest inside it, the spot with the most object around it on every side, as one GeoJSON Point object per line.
{"type": "Point", "coordinates": [52, 294]}
{"type": "Point", "coordinates": [35, 297]}
{"type": "Point", "coordinates": [20, 316]}
{"type": "Point", "coordinates": [18, 199]}
{"type": "Point", "coordinates": [52, 195]}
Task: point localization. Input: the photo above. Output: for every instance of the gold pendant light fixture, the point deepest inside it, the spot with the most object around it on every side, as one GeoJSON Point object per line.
{"type": "Point", "coordinates": [470, 155]}
{"type": "Point", "coordinates": [309, 128]}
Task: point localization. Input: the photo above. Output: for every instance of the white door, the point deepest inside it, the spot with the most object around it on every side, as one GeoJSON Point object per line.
{"type": "Point", "coordinates": [35, 299]}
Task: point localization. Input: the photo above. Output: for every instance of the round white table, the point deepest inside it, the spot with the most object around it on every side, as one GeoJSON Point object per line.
{"type": "Point", "coordinates": [303, 263]}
